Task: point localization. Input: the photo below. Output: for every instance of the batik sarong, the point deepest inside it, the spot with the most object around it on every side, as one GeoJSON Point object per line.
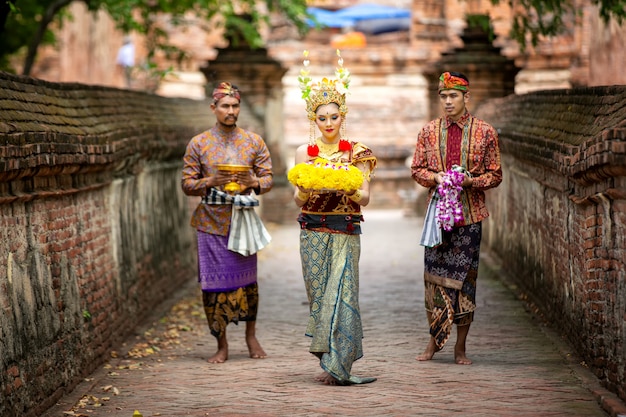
{"type": "Point", "coordinates": [330, 268]}
{"type": "Point", "coordinates": [228, 281]}
{"type": "Point", "coordinates": [222, 308]}
{"type": "Point", "coordinates": [450, 273]}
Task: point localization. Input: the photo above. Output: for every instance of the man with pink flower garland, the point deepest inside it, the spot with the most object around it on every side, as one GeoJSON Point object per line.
{"type": "Point", "coordinates": [456, 141]}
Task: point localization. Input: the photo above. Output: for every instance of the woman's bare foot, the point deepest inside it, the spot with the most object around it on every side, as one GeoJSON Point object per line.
{"type": "Point", "coordinates": [321, 377]}
{"type": "Point", "coordinates": [430, 351]}
{"type": "Point", "coordinates": [327, 379]}
{"type": "Point", "coordinates": [254, 348]}
{"type": "Point", "coordinates": [460, 358]}
{"type": "Point", "coordinates": [220, 356]}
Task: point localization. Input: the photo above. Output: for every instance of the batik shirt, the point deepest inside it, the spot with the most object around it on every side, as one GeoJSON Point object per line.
{"type": "Point", "coordinates": [477, 151]}
{"type": "Point", "coordinates": [216, 146]}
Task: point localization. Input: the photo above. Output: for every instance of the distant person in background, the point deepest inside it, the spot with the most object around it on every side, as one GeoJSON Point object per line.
{"type": "Point", "coordinates": [126, 59]}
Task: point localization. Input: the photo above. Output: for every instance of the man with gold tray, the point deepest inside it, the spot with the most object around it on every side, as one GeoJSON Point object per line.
{"type": "Point", "coordinates": [224, 165]}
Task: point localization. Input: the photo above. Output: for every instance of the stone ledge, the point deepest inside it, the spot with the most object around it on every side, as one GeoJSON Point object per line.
{"type": "Point", "coordinates": [577, 132]}
{"type": "Point", "coordinates": [73, 125]}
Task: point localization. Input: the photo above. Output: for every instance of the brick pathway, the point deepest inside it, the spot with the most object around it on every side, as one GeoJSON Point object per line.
{"type": "Point", "coordinates": [520, 367]}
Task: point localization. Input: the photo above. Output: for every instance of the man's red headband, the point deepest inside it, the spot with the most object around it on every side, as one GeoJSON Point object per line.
{"type": "Point", "coordinates": [448, 81]}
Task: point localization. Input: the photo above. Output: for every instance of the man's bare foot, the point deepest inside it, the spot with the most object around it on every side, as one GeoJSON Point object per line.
{"type": "Point", "coordinates": [220, 356]}
{"type": "Point", "coordinates": [430, 351]}
{"type": "Point", "coordinates": [254, 348]}
{"type": "Point", "coordinates": [460, 358]}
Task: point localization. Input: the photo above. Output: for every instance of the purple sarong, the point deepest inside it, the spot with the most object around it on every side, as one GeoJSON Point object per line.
{"type": "Point", "coordinates": [220, 269]}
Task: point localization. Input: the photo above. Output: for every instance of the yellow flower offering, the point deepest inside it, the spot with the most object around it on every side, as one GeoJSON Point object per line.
{"type": "Point", "coordinates": [323, 175]}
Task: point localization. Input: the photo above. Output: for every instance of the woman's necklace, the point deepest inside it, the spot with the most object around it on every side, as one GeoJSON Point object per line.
{"type": "Point", "coordinates": [327, 150]}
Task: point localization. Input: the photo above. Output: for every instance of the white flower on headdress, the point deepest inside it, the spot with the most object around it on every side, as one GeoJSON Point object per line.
{"type": "Point", "coordinates": [341, 88]}
{"type": "Point", "coordinates": [304, 80]}
{"type": "Point", "coordinates": [343, 76]}
{"type": "Point", "coordinates": [305, 54]}
{"type": "Point", "coordinates": [326, 90]}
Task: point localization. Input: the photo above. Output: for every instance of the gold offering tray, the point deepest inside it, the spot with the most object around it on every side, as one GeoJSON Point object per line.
{"type": "Point", "coordinates": [233, 187]}
{"type": "Point", "coordinates": [233, 167]}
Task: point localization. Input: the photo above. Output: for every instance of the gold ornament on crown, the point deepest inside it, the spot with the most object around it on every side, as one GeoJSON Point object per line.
{"type": "Point", "coordinates": [325, 91]}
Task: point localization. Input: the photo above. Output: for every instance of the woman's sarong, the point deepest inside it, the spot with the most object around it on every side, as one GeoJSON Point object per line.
{"type": "Point", "coordinates": [450, 274]}
{"type": "Point", "coordinates": [330, 266]}
{"type": "Point", "coordinates": [228, 280]}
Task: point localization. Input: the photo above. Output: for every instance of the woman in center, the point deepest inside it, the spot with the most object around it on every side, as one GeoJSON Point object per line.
{"type": "Point", "coordinates": [330, 222]}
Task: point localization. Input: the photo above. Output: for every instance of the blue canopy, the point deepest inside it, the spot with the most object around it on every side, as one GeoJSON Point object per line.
{"type": "Point", "coordinates": [350, 16]}
{"type": "Point", "coordinates": [378, 26]}
{"type": "Point", "coordinates": [328, 18]}
{"type": "Point", "coordinates": [372, 11]}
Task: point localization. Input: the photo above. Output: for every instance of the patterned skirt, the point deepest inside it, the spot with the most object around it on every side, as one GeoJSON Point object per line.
{"type": "Point", "coordinates": [222, 308]}
{"type": "Point", "coordinates": [228, 280]}
{"type": "Point", "coordinates": [450, 273]}
{"type": "Point", "coordinates": [220, 269]}
{"type": "Point", "coordinates": [330, 266]}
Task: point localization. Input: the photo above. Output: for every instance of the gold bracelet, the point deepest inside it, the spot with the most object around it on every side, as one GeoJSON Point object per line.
{"type": "Point", "coordinates": [302, 196]}
{"type": "Point", "coordinates": [356, 197]}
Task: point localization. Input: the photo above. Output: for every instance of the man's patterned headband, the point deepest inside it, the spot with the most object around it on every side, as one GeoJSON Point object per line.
{"type": "Point", "coordinates": [225, 89]}
{"type": "Point", "coordinates": [448, 81]}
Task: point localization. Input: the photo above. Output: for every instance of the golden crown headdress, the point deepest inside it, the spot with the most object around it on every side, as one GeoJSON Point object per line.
{"type": "Point", "coordinates": [325, 91]}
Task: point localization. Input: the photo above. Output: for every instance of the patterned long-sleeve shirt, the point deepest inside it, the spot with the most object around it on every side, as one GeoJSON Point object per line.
{"type": "Point", "coordinates": [216, 146]}
{"type": "Point", "coordinates": [479, 154]}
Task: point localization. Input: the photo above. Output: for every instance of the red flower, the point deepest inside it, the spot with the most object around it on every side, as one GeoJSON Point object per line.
{"type": "Point", "coordinates": [344, 145]}
{"type": "Point", "coordinates": [313, 150]}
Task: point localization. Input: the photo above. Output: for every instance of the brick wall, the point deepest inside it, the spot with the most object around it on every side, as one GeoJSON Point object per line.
{"type": "Point", "coordinates": [94, 228]}
{"type": "Point", "coordinates": [558, 220]}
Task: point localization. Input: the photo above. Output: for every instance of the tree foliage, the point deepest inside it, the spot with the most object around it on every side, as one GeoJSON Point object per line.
{"type": "Point", "coordinates": [25, 25]}
{"type": "Point", "coordinates": [28, 24]}
{"type": "Point", "coordinates": [536, 18]}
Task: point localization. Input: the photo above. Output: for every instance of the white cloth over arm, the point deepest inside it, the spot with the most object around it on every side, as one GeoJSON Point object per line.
{"type": "Point", "coordinates": [431, 233]}
{"type": "Point", "coordinates": [248, 234]}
